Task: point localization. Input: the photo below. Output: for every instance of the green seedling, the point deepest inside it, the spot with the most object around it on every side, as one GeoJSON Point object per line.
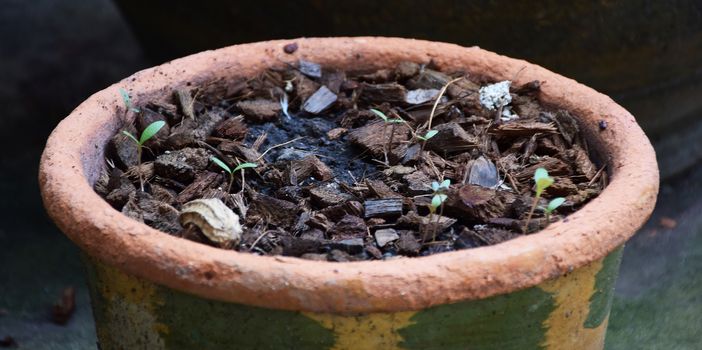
{"type": "Point", "coordinates": [542, 181]}
{"type": "Point", "coordinates": [385, 118]}
{"type": "Point", "coordinates": [231, 172]}
{"type": "Point", "coordinates": [553, 205]}
{"type": "Point", "coordinates": [147, 134]}
{"type": "Point", "coordinates": [127, 100]}
{"type": "Point", "coordinates": [387, 121]}
{"type": "Point", "coordinates": [437, 201]}
{"type": "Point", "coordinates": [428, 135]}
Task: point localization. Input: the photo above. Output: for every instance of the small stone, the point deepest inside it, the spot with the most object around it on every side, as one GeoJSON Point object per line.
{"type": "Point", "coordinates": [495, 95]}
{"type": "Point", "coordinates": [385, 236]}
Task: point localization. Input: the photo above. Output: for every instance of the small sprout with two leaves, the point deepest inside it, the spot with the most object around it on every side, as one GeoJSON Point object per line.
{"type": "Point", "coordinates": [428, 135]}
{"type": "Point", "coordinates": [437, 201]}
{"type": "Point", "coordinates": [231, 172]}
{"type": "Point", "coordinates": [385, 117]}
{"type": "Point", "coordinates": [146, 135]}
{"type": "Point", "coordinates": [542, 181]}
{"type": "Point", "coordinates": [127, 100]}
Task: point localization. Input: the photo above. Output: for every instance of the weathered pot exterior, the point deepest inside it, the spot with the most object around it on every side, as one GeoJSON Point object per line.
{"type": "Point", "coordinates": [569, 312]}
{"type": "Point", "coordinates": [547, 290]}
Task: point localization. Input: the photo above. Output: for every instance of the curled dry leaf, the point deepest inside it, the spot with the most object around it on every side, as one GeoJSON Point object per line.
{"type": "Point", "coordinates": [216, 221]}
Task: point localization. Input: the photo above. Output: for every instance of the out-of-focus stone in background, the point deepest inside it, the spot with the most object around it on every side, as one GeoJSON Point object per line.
{"type": "Point", "coordinates": [646, 54]}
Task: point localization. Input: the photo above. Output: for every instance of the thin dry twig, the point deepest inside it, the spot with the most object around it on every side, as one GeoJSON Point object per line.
{"type": "Point", "coordinates": [278, 145]}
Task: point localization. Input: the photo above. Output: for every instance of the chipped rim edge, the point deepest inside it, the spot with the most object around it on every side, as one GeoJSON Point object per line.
{"type": "Point", "coordinates": [73, 157]}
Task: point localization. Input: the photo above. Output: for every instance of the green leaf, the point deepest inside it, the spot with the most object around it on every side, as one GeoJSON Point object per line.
{"type": "Point", "coordinates": [125, 98]}
{"type": "Point", "coordinates": [131, 136]}
{"type": "Point", "coordinates": [150, 131]}
{"type": "Point", "coordinates": [542, 180]}
{"type": "Point", "coordinates": [221, 164]}
{"type": "Point", "coordinates": [555, 203]}
{"type": "Point", "coordinates": [435, 186]}
{"type": "Point", "coordinates": [438, 199]}
{"type": "Point", "coordinates": [395, 121]}
{"type": "Point", "coordinates": [244, 166]}
{"type": "Point", "coordinates": [380, 114]}
{"type": "Point", "coordinates": [445, 184]}
{"type": "Point", "coordinates": [430, 134]}
{"type": "Point", "coordinates": [540, 173]}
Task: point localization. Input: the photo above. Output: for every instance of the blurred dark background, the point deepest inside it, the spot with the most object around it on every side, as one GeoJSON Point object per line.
{"type": "Point", "coordinates": [647, 55]}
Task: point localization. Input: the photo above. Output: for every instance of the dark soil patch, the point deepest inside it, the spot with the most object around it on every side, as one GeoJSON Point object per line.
{"type": "Point", "coordinates": [334, 181]}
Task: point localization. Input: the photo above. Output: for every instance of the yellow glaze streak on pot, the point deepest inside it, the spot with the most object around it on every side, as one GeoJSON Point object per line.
{"type": "Point", "coordinates": [566, 324]}
{"type": "Point", "coordinates": [372, 331]}
{"type": "Point", "coordinates": [129, 310]}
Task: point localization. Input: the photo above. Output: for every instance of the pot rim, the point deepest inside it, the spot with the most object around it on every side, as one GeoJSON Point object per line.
{"type": "Point", "coordinates": [73, 155]}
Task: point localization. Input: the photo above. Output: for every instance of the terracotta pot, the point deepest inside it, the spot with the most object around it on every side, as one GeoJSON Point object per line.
{"type": "Point", "coordinates": [151, 290]}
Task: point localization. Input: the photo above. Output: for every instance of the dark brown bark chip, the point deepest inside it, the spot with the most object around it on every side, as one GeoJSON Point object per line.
{"type": "Point", "coordinates": [309, 166]}
{"type": "Point", "coordinates": [374, 137]}
{"type": "Point", "coordinates": [120, 195]}
{"type": "Point", "coordinates": [350, 226]}
{"type": "Point", "coordinates": [231, 128]}
{"type": "Point", "coordinates": [122, 149]}
{"type": "Point", "coordinates": [159, 215]}
{"type": "Point", "coordinates": [181, 165]}
{"type": "Point", "coordinates": [478, 203]}
{"type": "Point", "coordinates": [337, 211]}
{"type": "Point", "coordinates": [381, 190]}
{"type": "Point", "coordinates": [272, 211]}
{"type": "Point", "coordinates": [388, 207]}
{"type": "Point", "coordinates": [451, 138]}
{"type": "Point", "coordinates": [406, 70]}
{"type": "Point", "coordinates": [259, 111]}
{"type": "Point", "coordinates": [428, 79]}
{"type": "Point", "coordinates": [328, 194]}
{"type": "Point", "coordinates": [191, 131]}
{"type": "Point", "coordinates": [200, 185]}
{"type": "Point", "coordinates": [163, 194]}
{"type": "Point", "coordinates": [520, 128]}
{"type": "Point", "coordinates": [407, 244]}
{"type": "Point", "coordinates": [379, 93]}
{"type": "Point", "coordinates": [418, 183]}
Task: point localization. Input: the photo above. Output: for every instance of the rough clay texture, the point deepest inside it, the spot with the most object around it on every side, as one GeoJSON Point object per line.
{"type": "Point", "coordinates": [73, 156]}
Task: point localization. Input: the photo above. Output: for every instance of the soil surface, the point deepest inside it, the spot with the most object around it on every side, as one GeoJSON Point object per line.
{"type": "Point", "coordinates": [336, 181]}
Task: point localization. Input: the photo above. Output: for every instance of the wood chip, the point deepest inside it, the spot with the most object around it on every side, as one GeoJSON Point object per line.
{"type": "Point", "coordinates": [260, 110]}
{"type": "Point", "coordinates": [319, 101]}
{"type": "Point", "coordinates": [482, 172]}
{"type": "Point", "coordinates": [383, 207]}
{"type": "Point", "coordinates": [385, 236]}
{"type": "Point", "coordinates": [451, 138]}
